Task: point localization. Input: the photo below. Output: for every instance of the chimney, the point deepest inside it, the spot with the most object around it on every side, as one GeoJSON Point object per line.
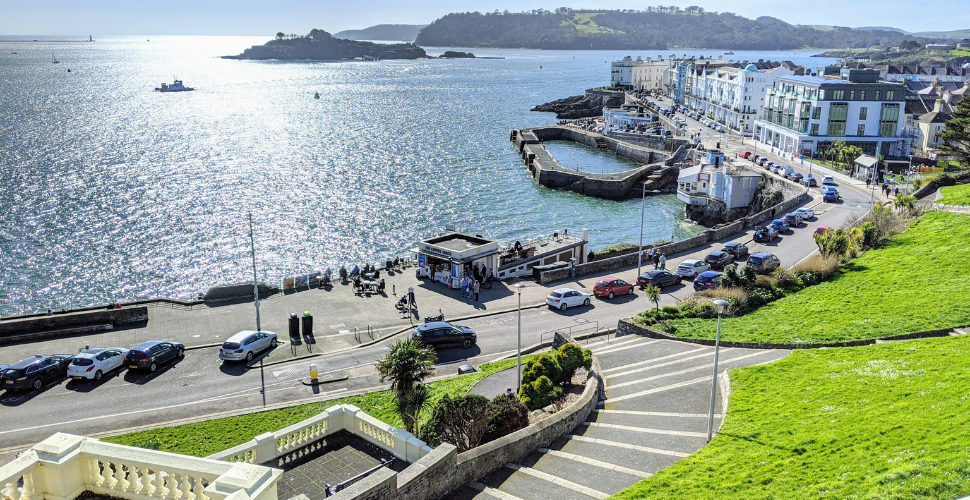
{"type": "Point", "coordinates": [938, 106]}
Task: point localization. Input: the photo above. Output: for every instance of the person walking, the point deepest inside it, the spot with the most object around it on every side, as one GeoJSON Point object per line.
{"type": "Point", "coordinates": [663, 261]}
{"type": "Point", "coordinates": [896, 195]}
{"type": "Point", "coordinates": [650, 253]}
{"type": "Point", "coordinates": [867, 182]}
{"type": "Point", "coordinates": [656, 260]}
{"type": "Point", "coordinates": [477, 288]}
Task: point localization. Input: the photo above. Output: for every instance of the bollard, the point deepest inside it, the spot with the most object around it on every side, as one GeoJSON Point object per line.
{"type": "Point", "coordinates": [393, 289]}
{"type": "Point", "coordinates": [313, 372]}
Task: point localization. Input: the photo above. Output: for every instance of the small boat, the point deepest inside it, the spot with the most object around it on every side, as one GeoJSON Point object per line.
{"type": "Point", "coordinates": [176, 86]}
{"type": "Point", "coordinates": [54, 59]}
{"type": "Point", "coordinates": [316, 95]}
{"type": "Point", "coordinates": [729, 53]}
{"type": "Point", "coordinates": [13, 52]}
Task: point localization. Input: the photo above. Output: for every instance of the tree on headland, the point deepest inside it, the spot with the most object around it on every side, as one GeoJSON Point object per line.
{"type": "Point", "coordinates": [956, 133]}
{"type": "Point", "coordinates": [280, 35]}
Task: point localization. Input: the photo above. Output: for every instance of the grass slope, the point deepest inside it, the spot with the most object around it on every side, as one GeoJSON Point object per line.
{"type": "Point", "coordinates": [956, 195]}
{"type": "Point", "coordinates": [585, 24]}
{"type": "Point", "coordinates": [920, 281]}
{"type": "Point", "coordinates": [210, 436]}
{"type": "Point", "coordinates": [875, 422]}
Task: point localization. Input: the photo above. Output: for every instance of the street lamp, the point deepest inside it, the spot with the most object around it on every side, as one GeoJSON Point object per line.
{"type": "Point", "coordinates": [721, 304]}
{"type": "Point", "coordinates": [643, 199]}
{"type": "Point", "coordinates": [518, 355]}
{"type": "Point", "coordinates": [252, 242]}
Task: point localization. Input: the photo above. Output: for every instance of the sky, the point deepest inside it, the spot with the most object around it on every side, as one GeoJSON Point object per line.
{"type": "Point", "coordinates": [266, 17]}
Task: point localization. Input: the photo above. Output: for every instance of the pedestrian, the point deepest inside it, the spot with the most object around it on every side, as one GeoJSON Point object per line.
{"type": "Point", "coordinates": [663, 261]}
{"type": "Point", "coordinates": [650, 253]}
{"type": "Point", "coordinates": [897, 192]}
{"type": "Point", "coordinates": [656, 260]}
{"type": "Point", "coordinates": [508, 393]}
{"type": "Point", "coordinates": [867, 183]}
{"type": "Point", "coordinates": [477, 288]}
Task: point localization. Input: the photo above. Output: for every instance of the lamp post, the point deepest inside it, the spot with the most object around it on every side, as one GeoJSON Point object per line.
{"type": "Point", "coordinates": [252, 242]}
{"type": "Point", "coordinates": [518, 352]}
{"type": "Point", "coordinates": [721, 304]}
{"type": "Point", "coordinates": [643, 199]}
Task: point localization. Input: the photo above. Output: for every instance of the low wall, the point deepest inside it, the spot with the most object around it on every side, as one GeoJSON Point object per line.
{"type": "Point", "coordinates": [61, 325]}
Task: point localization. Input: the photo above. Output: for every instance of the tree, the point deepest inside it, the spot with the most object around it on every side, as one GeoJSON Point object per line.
{"type": "Point", "coordinates": [956, 133]}
{"type": "Point", "coordinates": [280, 35]}
{"type": "Point", "coordinates": [407, 362]}
{"type": "Point", "coordinates": [905, 203]}
{"type": "Point", "coordinates": [545, 365]}
{"type": "Point", "coordinates": [505, 416]}
{"type": "Point", "coordinates": [410, 405]}
{"type": "Point", "coordinates": [461, 421]}
{"type": "Point", "coordinates": [570, 358]}
{"type": "Point", "coordinates": [653, 293]}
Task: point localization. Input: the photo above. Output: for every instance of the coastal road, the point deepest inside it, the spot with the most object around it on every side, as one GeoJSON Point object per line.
{"type": "Point", "coordinates": [201, 386]}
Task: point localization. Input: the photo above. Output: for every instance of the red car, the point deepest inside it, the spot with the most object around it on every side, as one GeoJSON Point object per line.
{"type": "Point", "coordinates": [611, 287]}
{"type": "Point", "coordinates": [746, 155]}
{"type": "Point", "coordinates": [821, 229]}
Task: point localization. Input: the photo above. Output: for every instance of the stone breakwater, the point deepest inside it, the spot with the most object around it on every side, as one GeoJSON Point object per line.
{"type": "Point", "coordinates": [659, 172]}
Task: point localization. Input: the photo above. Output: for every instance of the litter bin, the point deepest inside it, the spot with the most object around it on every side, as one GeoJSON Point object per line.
{"type": "Point", "coordinates": [307, 324]}
{"type": "Point", "coordinates": [294, 326]}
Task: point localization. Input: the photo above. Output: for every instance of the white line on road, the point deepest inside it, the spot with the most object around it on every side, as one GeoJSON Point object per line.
{"type": "Point", "coordinates": [653, 413]}
{"type": "Point", "coordinates": [658, 389]}
{"type": "Point", "coordinates": [631, 346]}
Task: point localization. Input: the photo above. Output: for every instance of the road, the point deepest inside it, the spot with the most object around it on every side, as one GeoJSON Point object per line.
{"type": "Point", "coordinates": [200, 385]}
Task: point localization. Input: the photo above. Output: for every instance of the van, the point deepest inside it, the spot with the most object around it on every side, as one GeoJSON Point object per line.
{"type": "Point", "coordinates": [785, 171]}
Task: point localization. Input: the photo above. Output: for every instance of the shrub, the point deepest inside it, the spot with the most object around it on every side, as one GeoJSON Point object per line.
{"type": "Point", "coordinates": [571, 357]}
{"type": "Point", "coordinates": [461, 421]}
{"type": "Point", "coordinates": [669, 310]}
{"type": "Point", "coordinates": [788, 281]}
{"type": "Point", "coordinates": [821, 267]}
{"type": "Point", "coordinates": [505, 416]}
{"type": "Point", "coordinates": [737, 297]}
{"type": "Point", "coordinates": [539, 393]}
{"type": "Point", "coordinates": [542, 366]}
{"type": "Point", "coordinates": [917, 183]}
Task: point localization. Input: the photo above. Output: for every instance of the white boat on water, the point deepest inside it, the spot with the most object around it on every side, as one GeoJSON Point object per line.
{"type": "Point", "coordinates": [176, 86]}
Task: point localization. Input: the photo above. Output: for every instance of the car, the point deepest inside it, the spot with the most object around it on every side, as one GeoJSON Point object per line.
{"type": "Point", "coordinates": [92, 364]}
{"type": "Point", "coordinates": [763, 161]}
{"type": "Point", "coordinates": [763, 263]}
{"type": "Point", "coordinates": [737, 249]}
{"type": "Point", "coordinates": [796, 177]}
{"type": "Point", "coordinates": [34, 372]}
{"type": "Point", "coordinates": [562, 298]}
{"type": "Point", "coordinates": [745, 154]}
{"type": "Point", "coordinates": [611, 287]}
{"type": "Point", "coordinates": [828, 181]}
{"type": "Point", "coordinates": [809, 181]}
{"type": "Point", "coordinates": [776, 168]}
{"type": "Point", "coordinates": [821, 229]}
{"type": "Point", "coordinates": [657, 277]}
{"type": "Point", "coordinates": [764, 234]}
{"type": "Point", "coordinates": [780, 225]}
{"type": "Point", "coordinates": [245, 345]}
{"type": "Point", "coordinates": [707, 280]}
{"type": "Point", "coordinates": [690, 268]}
{"type": "Point", "coordinates": [830, 194]}
{"type": "Point", "coordinates": [754, 158]}
{"type": "Point", "coordinates": [719, 259]}
{"type": "Point", "coordinates": [148, 356]}
{"type": "Point", "coordinates": [443, 334]}
{"type": "Point", "coordinates": [806, 213]}
{"type": "Point", "coordinates": [793, 219]}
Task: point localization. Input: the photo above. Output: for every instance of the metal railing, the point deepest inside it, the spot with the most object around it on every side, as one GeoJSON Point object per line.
{"type": "Point", "coordinates": [572, 331]}
{"type": "Point", "coordinates": [369, 331]}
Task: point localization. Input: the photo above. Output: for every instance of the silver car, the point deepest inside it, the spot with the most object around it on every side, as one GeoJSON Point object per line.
{"type": "Point", "coordinates": [245, 345]}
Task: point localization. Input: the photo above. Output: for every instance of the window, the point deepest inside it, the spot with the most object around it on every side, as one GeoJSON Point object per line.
{"type": "Point", "coordinates": [837, 116]}
{"type": "Point", "coordinates": [817, 113]}
{"type": "Point", "coordinates": [862, 95]}
{"type": "Point", "coordinates": [888, 120]}
{"type": "Point", "coordinates": [851, 95]}
{"type": "Point", "coordinates": [814, 129]}
{"type": "Point", "coordinates": [838, 95]}
{"type": "Point", "coordinates": [863, 112]}
{"type": "Point", "coordinates": [877, 96]}
{"type": "Point", "coordinates": [890, 95]}
{"type": "Point", "coordinates": [861, 130]}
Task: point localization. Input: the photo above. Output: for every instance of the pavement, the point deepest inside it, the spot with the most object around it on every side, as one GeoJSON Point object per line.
{"type": "Point", "coordinates": [495, 384]}
{"type": "Point", "coordinates": [655, 413]}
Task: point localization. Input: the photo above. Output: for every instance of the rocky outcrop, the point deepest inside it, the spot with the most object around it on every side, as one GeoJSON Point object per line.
{"type": "Point", "coordinates": [587, 105]}
{"type": "Point", "coordinates": [771, 191]}
{"type": "Point", "coordinates": [321, 46]}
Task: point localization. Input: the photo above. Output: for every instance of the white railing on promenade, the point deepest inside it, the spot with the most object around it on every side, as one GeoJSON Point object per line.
{"type": "Point", "coordinates": [300, 439]}
{"type": "Point", "coordinates": [64, 465]}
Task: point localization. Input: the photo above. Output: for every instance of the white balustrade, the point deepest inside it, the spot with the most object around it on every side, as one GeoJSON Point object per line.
{"type": "Point", "coordinates": [16, 478]}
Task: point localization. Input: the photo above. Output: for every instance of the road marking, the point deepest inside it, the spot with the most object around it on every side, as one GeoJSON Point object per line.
{"type": "Point", "coordinates": [597, 463]}
{"type": "Point", "coordinates": [707, 352]}
{"type": "Point", "coordinates": [681, 372]}
{"type": "Point", "coordinates": [615, 444]}
{"type": "Point", "coordinates": [646, 430]}
{"type": "Point", "coordinates": [658, 389]}
{"type": "Point", "coordinates": [559, 481]}
{"type": "Point", "coordinates": [654, 413]}
{"type": "Point", "coordinates": [631, 346]}
{"type": "Point", "coordinates": [488, 490]}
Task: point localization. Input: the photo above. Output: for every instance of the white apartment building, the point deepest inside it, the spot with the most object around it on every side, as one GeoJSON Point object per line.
{"type": "Point", "coordinates": [638, 74]}
{"type": "Point", "coordinates": [734, 185]}
{"type": "Point", "coordinates": [732, 96]}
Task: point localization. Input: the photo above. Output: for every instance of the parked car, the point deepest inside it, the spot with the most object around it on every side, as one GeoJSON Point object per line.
{"type": "Point", "coordinates": [809, 181]}
{"type": "Point", "coordinates": [830, 194]}
{"type": "Point", "coordinates": [719, 259]}
{"type": "Point", "coordinates": [92, 364]}
{"type": "Point", "coordinates": [784, 171]}
{"type": "Point", "coordinates": [780, 225]}
{"type": "Point", "coordinates": [148, 356]}
{"type": "Point", "coordinates": [763, 161]}
{"type": "Point", "coordinates": [745, 154]}
{"type": "Point", "coordinates": [657, 277]}
{"type": "Point", "coordinates": [443, 334]}
{"type": "Point", "coordinates": [821, 229]}
{"type": "Point", "coordinates": [690, 268]}
{"type": "Point", "coordinates": [562, 298]}
{"type": "Point", "coordinates": [737, 249]}
{"type": "Point", "coordinates": [796, 177]}
{"type": "Point", "coordinates": [793, 219]}
{"type": "Point", "coordinates": [806, 213]}
{"type": "Point", "coordinates": [707, 280]}
{"type": "Point", "coordinates": [35, 371]}
{"type": "Point", "coordinates": [770, 166]}
{"type": "Point", "coordinates": [611, 287]}
{"type": "Point", "coordinates": [246, 344]}
{"type": "Point", "coordinates": [828, 181]}
{"type": "Point", "coordinates": [755, 158]}
{"type": "Point", "coordinates": [764, 234]}
{"type": "Point", "coordinates": [763, 263]}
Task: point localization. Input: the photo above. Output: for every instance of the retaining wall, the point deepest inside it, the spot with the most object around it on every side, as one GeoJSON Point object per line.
{"type": "Point", "coordinates": [60, 325]}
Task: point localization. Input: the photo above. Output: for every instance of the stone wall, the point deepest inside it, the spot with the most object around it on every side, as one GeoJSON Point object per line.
{"type": "Point", "coordinates": [61, 325]}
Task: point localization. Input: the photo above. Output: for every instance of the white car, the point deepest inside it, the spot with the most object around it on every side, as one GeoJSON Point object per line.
{"type": "Point", "coordinates": [690, 268]}
{"type": "Point", "coordinates": [245, 345]}
{"type": "Point", "coordinates": [563, 298]}
{"type": "Point", "coordinates": [92, 364]}
{"type": "Point", "coordinates": [806, 213]}
{"type": "Point", "coordinates": [828, 181]}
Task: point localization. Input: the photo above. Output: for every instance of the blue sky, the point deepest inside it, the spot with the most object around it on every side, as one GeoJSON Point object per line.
{"type": "Point", "coordinates": [266, 17]}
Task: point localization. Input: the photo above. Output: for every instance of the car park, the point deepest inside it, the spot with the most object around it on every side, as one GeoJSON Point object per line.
{"type": "Point", "coordinates": [657, 277]}
{"type": "Point", "coordinates": [707, 280]}
{"type": "Point", "coordinates": [764, 234]}
{"type": "Point", "coordinates": [806, 213]}
{"type": "Point", "coordinates": [34, 372]}
{"type": "Point", "coordinates": [148, 356]}
{"type": "Point", "coordinates": [793, 219]}
{"type": "Point", "coordinates": [443, 334]}
{"type": "Point", "coordinates": [780, 225]}
{"type": "Point", "coordinates": [92, 364]}
{"type": "Point", "coordinates": [737, 249]}
{"type": "Point", "coordinates": [563, 298]}
{"type": "Point", "coordinates": [719, 259]}
{"type": "Point", "coordinates": [763, 263]}
{"type": "Point", "coordinates": [690, 268]}
{"type": "Point", "coordinates": [828, 181]}
{"type": "Point", "coordinates": [830, 194]}
{"type": "Point", "coordinates": [611, 287]}
{"type": "Point", "coordinates": [245, 345]}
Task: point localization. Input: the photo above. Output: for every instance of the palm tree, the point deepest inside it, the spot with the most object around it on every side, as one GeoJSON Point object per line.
{"type": "Point", "coordinates": [653, 293]}
{"type": "Point", "coordinates": [407, 362]}
{"type": "Point", "coordinates": [410, 405]}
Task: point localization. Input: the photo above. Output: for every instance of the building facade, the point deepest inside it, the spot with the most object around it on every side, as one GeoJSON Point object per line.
{"type": "Point", "coordinates": [732, 96]}
{"type": "Point", "coordinates": [733, 185]}
{"type": "Point", "coordinates": [806, 114]}
{"type": "Point", "coordinates": [639, 74]}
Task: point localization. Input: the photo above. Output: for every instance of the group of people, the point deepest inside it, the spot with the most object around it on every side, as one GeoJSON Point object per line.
{"type": "Point", "coordinates": [659, 260]}
{"type": "Point", "coordinates": [473, 280]}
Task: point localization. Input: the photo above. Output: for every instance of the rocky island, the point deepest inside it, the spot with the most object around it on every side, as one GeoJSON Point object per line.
{"type": "Point", "coordinates": [319, 45]}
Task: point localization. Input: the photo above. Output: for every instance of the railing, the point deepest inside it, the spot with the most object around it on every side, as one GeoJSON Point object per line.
{"type": "Point", "coordinates": [64, 465]}
{"type": "Point", "coordinates": [300, 439]}
{"type": "Point", "coordinates": [573, 331]}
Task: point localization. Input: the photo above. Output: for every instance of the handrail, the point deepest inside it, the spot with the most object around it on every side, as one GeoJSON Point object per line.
{"type": "Point", "coordinates": [333, 489]}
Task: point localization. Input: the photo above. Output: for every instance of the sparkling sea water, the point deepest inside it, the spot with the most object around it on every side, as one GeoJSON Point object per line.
{"type": "Point", "coordinates": [110, 191]}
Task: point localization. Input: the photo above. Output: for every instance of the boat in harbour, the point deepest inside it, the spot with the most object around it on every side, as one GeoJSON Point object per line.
{"type": "Point", "coordinates": [54, 59]}
{"type": "Point", "coordinates": [729, 53]}
{"type": "Point", "coordinates": [176, 86]}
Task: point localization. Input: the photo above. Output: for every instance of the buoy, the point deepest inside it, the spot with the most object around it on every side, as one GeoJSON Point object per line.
{"type": "Point", "coordinates": [540, 67]}
{"type": "Point", "coordinates": [68, 70]}
{"type": "Point", "coordinates": [316, 95]}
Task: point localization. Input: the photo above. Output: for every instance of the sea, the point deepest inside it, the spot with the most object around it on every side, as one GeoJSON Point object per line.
{"type": "Point", "coordinates": [111, 192]}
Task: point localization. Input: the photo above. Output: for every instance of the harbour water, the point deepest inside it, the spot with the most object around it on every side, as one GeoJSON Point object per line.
{"type": "Point", "coordinates": [111, 192]}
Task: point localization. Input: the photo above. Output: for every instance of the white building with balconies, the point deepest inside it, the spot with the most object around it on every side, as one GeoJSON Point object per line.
{"type": "Point", "coordinates": [639, 74]}
{"type": "Point", "coordinates": [732, 96]}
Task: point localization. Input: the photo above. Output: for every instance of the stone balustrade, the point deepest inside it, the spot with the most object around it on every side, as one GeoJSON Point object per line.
{"type": "Point", "coordinates": [63, 466]}
{"type": "Point", "coordinates": [305, 437]}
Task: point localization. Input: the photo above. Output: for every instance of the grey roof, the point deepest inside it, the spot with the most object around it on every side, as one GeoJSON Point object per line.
{"type": "Point", "coordinates": [866, 161]}
{"type": "Point", "coordinates": [934, 117]}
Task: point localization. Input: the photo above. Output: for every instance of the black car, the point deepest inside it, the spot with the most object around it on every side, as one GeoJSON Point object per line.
{"type": "Point", "coordinates": [35, 371]}
{"type": "Point", "coordinates": [796, 177]}
{"type": "Point", "coordinates": [719, 259]}
{"type": "Point", "coordinates": [707, 280]}
{"type": "Point", "coordinates": [147, 356]}
{"type": "Point", "coordinates": [658, 278]}
{"type": "Point", "coordinates": [737, 249]}
{"type": "Point", "coordinates": [763, 263]}
{"type": "Point", "coordinates": [443, 334]}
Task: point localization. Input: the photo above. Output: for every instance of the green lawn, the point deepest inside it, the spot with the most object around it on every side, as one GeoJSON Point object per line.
{"type": "Point", "coordinates": [920, 281]}
{"type": "Point", "coordinates": [585, 24]}
{"type": "Point", "coordinates": [960, 53]}
{"type": "Point", "coordinates": [956, 195]}
{"type": "Point", "coordinates": [887, 421]}
{"type": "Point", "coordinates": [210, 436]}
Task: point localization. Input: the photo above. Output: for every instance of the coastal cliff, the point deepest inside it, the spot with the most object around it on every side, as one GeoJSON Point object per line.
{"type": "Point", "coordinates": [319, 45]}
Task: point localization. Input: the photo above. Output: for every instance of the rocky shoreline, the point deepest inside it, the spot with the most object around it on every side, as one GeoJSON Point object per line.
{"type": "Point", "coordinates": [587, 105]}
